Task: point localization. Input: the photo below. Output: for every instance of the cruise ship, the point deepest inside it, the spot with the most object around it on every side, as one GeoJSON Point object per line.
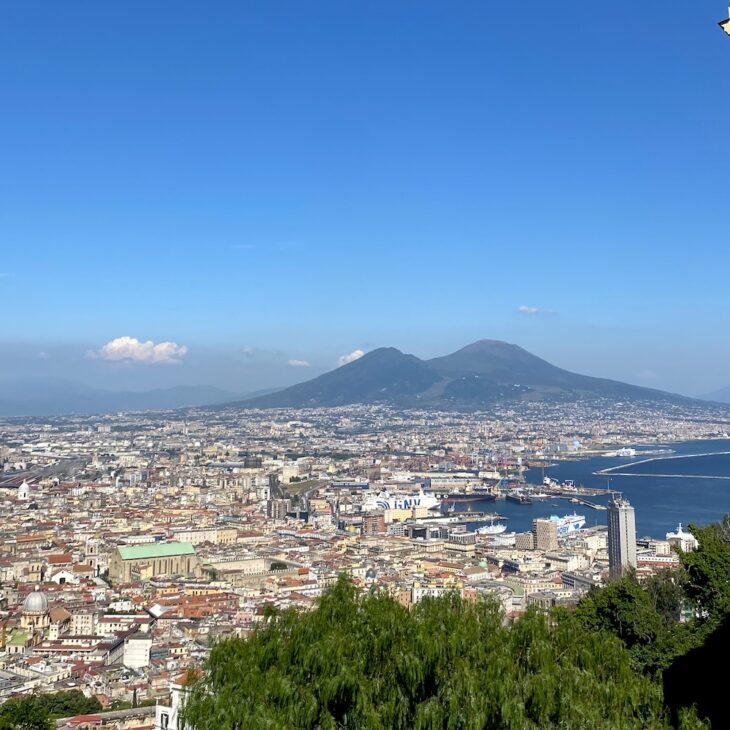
{"type": "Point", "coordinates": [385, 500]}
{"type": "Point", "coordinates": [569, 523]}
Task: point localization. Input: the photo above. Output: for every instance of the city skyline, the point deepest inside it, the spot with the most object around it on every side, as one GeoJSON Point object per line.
{"type": "Point", "coordinates": [274, 189]}
{"type": "Point", "coordinates": [363, 365]}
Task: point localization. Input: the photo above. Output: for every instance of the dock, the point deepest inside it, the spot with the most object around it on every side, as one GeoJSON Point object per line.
{"type": "Point", "coordinates": [587, 503]}
{"type": "Point", "coordinates": [461, 518]}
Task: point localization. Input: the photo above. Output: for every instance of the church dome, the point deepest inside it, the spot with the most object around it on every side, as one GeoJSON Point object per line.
{"type": "Point", "coordinates": [36, 602]}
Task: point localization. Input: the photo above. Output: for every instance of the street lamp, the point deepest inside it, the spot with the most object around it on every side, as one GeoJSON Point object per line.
{"type": "Point", "coordinates": [725, 24]}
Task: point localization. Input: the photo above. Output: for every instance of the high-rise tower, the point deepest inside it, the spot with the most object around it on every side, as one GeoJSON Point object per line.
{"type": "Point", "coordinates": [545, 534]}
{"type": "Point", "coordinates": [621, 536]}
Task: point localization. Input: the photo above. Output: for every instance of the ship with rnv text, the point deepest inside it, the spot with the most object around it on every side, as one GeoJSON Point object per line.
{"type": "Point", "coordinates": [385, 500]}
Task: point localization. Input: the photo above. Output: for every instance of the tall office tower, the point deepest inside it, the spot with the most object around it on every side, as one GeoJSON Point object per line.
{"type": "Point", "coordinates": [545, 534]}
{"type": "Point", "coordinates": [621, 536]}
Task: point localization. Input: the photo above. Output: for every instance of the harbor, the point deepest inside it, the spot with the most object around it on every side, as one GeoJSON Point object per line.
{"type": "Point", "coordinates": [461, 518]}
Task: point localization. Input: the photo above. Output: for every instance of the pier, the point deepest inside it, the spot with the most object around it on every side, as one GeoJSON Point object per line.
{"type": "Point", "coordinates": [457, 518]}
{"type": "Point", "coordinates": [587, 503]}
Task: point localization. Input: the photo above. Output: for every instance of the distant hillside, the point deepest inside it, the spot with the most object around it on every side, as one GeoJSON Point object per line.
{"type": "Point", "coordinates": [51, 398]}
{"type": "Point", "coordinates": [719, 396]}
{"type": "Point", "coordinates": [478, 375]}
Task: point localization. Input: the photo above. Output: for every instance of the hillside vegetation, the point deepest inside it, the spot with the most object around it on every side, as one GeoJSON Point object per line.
{"type": "Point", "coordinates": [366, 662]}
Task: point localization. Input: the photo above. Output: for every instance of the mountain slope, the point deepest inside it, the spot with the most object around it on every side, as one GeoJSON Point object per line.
{"type": "Point", "coordinates": [383, 375]}
{"type": "Point", "coordinates": [511, 366]}
{"type": "Point", "coordinates": [480, 374]}
{"type": "Point", "coordinates": [719, 396]}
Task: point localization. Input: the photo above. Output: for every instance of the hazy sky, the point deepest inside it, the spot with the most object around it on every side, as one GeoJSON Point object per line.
{"type": "Point", "coordinates": [273, 185]}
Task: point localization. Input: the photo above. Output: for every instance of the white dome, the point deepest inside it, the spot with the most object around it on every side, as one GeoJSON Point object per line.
{"type": "Point", "coordinates": [36, 602]}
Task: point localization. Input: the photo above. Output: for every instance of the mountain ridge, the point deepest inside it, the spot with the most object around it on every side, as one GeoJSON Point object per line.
{"type": "Point", "coordinates": [480, 374]}
{"type": "Point", "coordinates": [718, 396]}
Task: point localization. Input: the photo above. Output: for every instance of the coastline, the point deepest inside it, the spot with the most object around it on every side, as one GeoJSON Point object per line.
{"type": "Point", "coordinates": [661, 501]}
{"type": "Point", "coordinates": [618, 470]}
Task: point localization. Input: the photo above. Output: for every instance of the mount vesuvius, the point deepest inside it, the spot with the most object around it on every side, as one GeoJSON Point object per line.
{"type": "Point", "coordinates": [479, 375]}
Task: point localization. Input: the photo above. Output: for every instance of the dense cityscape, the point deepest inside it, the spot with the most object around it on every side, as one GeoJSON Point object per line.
{"type": "Point", "coordinates": [363, 366]}
{"type": "Point", "coordinates": [132, 542]}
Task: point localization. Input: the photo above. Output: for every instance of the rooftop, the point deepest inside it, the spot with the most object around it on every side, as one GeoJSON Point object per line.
{"type": "Point", "coordinates": [156, 550]}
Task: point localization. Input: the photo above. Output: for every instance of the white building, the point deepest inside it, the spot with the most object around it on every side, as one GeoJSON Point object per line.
{"type": "Point", "coordinates": [137, 648]}
{"type": "Point", "coordinates": [24, 492]}
{"type": "Point", "coordinates": [168, 713]}
{"type": "Point", "coordinates": [685, 541]}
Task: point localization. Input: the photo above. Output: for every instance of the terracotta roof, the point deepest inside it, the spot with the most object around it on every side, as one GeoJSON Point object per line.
{"type": "Point", "coordinates": [184, 678]}
{"type": "Point", "coordinates": [58, 614]}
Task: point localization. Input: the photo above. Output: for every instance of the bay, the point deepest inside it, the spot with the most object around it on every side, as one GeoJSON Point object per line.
{"type": "Point", "coordinates": [660, 502]}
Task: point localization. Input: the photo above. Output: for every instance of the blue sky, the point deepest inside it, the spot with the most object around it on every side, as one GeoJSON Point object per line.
{"type": "Point", "coordinates": [262, 183]}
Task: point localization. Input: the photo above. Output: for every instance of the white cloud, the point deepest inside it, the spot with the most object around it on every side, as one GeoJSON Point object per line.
{"type": "Point", "coordinates": [298, 364]}
{"type": "Point", "coordinates": [345, 359]}
{"type": "Point", "coordinates": [532, 311]}
{"type": "Point", "coordinates": [131, 349]}
{"type": "Point", "coordinates": [648, 374]}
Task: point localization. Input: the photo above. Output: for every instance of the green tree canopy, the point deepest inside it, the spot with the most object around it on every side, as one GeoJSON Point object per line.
{"type": "Point", "coordinates": [708, 570]}
{"type": "Point", "coordinates": [366, 662]}
{"type": "Point", "coordinates": [26, 713]}
{"type": "Point", "coordinates": [644, 616]}
{"type": "Point", "coordinates": [37, 711]}
{"type": "Point", "coordinates": [67, 704]}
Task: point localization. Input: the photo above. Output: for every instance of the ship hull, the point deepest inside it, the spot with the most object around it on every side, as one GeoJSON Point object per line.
{"type": "Point", "coordinates": [518, 499]}
{"type": "Point", "coordinates": [459, 498]}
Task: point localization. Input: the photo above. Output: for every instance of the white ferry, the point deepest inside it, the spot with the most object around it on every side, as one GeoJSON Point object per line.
{"type": "Point", "coordinates": [569, 523]}
{"type": "Point", "coordinates": [384, 500]}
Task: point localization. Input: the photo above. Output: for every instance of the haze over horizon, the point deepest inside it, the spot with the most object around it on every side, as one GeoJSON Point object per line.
{"type": "Point", "coordinates": [246, 196]}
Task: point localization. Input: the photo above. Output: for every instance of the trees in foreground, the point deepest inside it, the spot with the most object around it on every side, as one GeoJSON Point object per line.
{"type": "Point", "coordinates": [365, 662]}
{"type": "Point", "coordinates": [37, 711]}
{"type": "Point", "coordinates": [26, 713]}
{"type": "Point", "coordinates": [623, 659]}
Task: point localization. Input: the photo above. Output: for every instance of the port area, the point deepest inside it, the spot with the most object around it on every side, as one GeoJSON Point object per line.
{"type": "Point", "coordinates": [461, 518]}
{"type": "Point", "coordinates": [587, 503]}
{"type": "Point", "coordinates": [562, 491]}
{"type": "Point", "coordinates": [574, 494]}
